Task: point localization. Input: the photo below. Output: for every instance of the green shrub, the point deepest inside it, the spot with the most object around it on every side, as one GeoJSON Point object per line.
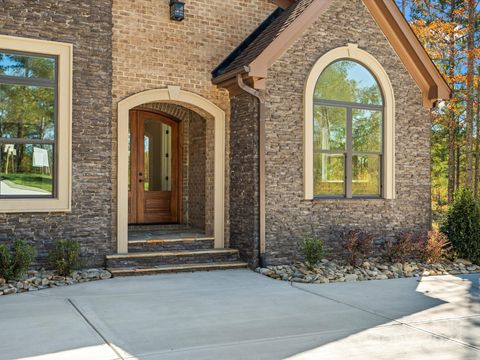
{"type": "Point", "coordinates": [462, 226]}
{"type": "Point", "coordinates": [312, 249]}
{"type": "Point", "coordinates": [358, 245]}
{"type": "Point", "coordinates": [64, 256]}
{"type": "Point", "coordinates": [15, 262]}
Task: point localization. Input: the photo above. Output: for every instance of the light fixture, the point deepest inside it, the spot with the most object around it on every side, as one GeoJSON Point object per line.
{"type": "Point", "coordinates": [177, 10]}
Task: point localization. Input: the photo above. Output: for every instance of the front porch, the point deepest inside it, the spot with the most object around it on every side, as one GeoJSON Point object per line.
{"type": "Point", "coordinates": [171, 163]}
{"type": "Point", "coordinates": [209, 199]}
{"type": "Point", "coordinates": [157, 249]}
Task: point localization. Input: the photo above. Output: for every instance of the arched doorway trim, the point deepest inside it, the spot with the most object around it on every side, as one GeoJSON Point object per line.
{"type": "Point", "coordinates": [179, 96]}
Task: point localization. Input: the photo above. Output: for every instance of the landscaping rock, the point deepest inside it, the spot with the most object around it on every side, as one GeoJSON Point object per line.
{"type": "Point", "coordinates": [463, 262]}
{"type": "Point", "coordinates": [9, 291]}
{"type": "Point", "coordinates": [38, 280]}
{"type": "Point", "coordinates": [351, 277]}
{"type": "Point", "coordinates": [371, 269]}
{"type": "Point", "coordinates": [104, 275]}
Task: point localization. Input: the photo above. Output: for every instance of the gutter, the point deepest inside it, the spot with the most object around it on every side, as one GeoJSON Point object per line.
{"type": "Point", "coordinates": [229, 75]}
{"type": "Point", "coordinates": [261, 165]}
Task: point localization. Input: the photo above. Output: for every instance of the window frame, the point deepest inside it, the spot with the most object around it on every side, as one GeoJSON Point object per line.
{"type": "Point", "coordinates": [349, 152]}
{"type": "Point", "coordinates": [351, 52]}
{"type": "Point", "coordinates": [25, 81]}
{"type": "Point", "coordinates": [60, 200]}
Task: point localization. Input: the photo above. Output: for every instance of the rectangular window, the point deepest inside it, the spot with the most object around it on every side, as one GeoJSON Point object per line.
{"type": "Point", "coordinates": [35, 125]}
{"type": "Point", "coordinates": [28, 87]}
{"type": "Point", "coordinates": [348, 150]}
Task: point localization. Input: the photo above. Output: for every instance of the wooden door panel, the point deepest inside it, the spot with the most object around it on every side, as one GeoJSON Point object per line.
{"type": "Point", "coordinates": [132, 191]}
{"type": "Point", "coordinates": [132, 216]}
{"type": "Point", "coordinates": [158, 206]}
{"type": "Point", "coordinates": [154, 155]}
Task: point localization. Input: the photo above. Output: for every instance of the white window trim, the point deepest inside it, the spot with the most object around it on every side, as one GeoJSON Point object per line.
{"type": "Point", "coordinates": [64, 52]}
{"type": "Point", "coordinates": [351, 51]}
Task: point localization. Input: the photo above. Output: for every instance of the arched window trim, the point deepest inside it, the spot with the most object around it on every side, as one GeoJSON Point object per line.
{"type": "Point", "coordinates": [351, 52]}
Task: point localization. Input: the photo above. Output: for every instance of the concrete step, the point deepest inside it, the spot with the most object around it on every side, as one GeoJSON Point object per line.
{"type": "Point", "coordinates": [159, 227]}
{"type": "Point", "coordinates": [134, 271]}
{"type": "Point", "coordinates": [181, 257]}
{"type": "Point", "coordinates": [168, 244]}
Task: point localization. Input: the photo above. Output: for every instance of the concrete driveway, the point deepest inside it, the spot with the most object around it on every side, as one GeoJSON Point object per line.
{"type": "Point", "coordinates": [242, 315]}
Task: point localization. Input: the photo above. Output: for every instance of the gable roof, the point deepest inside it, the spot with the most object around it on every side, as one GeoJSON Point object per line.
{"type": "Point", "coordinates": [264, 36]}
{"type": "Point", "coordinates": [278, 32]}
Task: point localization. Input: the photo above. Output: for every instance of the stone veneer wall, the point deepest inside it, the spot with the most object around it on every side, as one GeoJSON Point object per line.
{"type": "Point", "coordinates": [289, 216]}
{"type": "Point", "coordinates": [150, 51]}
{"type": "Point", "coordinates": [197, 170]}
{"type": "Point", "coordinates": [88, 26]}
{"type": "Point", "coordinates": [244, 211]}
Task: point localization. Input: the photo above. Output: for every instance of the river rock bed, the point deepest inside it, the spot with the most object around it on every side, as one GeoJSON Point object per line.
{"type": "Point", "coordinates": [328, 271]}
{"type": "Point", "coordinates": [43, 279]}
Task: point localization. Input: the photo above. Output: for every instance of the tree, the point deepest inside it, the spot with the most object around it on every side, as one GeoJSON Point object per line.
{"type": "Point", "coordinates": [448, 29]}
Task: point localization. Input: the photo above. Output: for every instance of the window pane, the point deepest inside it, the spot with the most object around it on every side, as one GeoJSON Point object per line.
{"type": "Point", "coordinates": [366, 175]}
{"type": "Point", "coordinates": [367, 130]}
{"type": "Point", "coordinates": [329, 174]}
{"type": "Point", "coordinates": [27, 66]}
{"type": "Point", "coordinates": [27, 112]}
{"type": "Point", "coordinates": [329, 128]}
{"type": "Point", "coordinates": [157, 156]}
{"type": "Point", "coordinates": [26, 170]}
{"type": "Point", "coordinates": [348, 81]}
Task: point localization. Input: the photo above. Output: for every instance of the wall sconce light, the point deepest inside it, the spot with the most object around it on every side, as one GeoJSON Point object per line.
{"type": "Point", "coordinates": [177, 10]}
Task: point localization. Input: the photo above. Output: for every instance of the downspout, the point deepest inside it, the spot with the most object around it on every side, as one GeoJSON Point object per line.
{"type": "Point", "coordinates": [261, 165]}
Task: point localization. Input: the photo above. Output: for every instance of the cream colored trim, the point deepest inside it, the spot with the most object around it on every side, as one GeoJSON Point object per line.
{"type": "Point", "coordinates": [353, 52]}
{"type": "Point", "coordinates": [64, 52]}
{"type": "Point", "coordinates": [171, 94]}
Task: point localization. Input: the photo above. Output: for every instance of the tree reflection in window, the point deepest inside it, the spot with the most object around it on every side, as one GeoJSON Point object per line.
{"type": "Point", "coordinates": [28, 88]}
{"type": "Point", "coordinates": [348, 132]}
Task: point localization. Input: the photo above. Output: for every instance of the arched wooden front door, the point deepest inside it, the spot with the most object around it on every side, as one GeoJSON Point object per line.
{"type": "Point", "coordinates": [153, 192]}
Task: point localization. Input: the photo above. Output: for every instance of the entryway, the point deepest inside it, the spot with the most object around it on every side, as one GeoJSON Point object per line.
{"type": "Point", "coordinates": [154, 171]}
{"type": "Point", "coordinates": [174, 178]}
{"type": "Point", "coordinates": [139, 202]}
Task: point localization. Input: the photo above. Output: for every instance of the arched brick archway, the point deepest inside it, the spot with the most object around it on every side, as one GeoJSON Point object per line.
{"type": "Point", "coordinates": [172, 94]}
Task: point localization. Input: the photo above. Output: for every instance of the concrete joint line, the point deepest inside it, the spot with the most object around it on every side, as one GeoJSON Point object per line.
{"type": "Point", "coordinates": [77, 309]}
{"type": "Point", "coordinates": [390, 319]}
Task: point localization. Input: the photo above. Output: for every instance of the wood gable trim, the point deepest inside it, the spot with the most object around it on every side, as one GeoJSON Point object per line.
{"type": "Point", "coordinates": [282, 3]}
{"type": "Point", "coordinates": [391, 22]}
{"type": "Point", "coordinates": [404, 41]}
{"type": "Point", "coordinates": [259, 67]}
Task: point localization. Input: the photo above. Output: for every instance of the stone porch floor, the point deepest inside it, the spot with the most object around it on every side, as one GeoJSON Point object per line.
{"type": "Point", "coordinates": [161, 232]}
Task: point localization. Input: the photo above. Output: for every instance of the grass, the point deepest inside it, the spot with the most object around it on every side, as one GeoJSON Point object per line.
{"type": "Point", "coordinates": [38, 181]}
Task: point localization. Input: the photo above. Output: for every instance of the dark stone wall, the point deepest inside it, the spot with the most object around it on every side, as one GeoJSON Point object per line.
{"type": "Point", "coordinates": [289, 216]}
{"type": "Point", "coordinates": [197, 164]}
{"type": "Point", "coordinates": [87, 24]}
{"type": "Point", "coordinates": [244, 234]}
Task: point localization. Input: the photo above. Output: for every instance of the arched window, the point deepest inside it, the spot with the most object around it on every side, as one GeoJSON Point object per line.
{"type": "Point", "coordinates": [347, 132]}
{"type": "Point", "coordinates": [349, 127]}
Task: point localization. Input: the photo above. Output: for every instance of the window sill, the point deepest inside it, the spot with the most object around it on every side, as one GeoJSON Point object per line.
{"type": "Point", "coordinates": [330, 198]}
{"type": "Point", "coordinates": [34, 205]}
